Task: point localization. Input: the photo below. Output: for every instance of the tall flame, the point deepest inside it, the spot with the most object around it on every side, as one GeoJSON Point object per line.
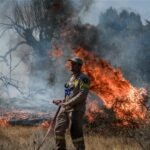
{"type": "Point", "coordinates": [116, 92]}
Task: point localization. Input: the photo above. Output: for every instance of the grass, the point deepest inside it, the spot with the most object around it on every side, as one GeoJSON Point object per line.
{"type": "Point", "coordinates": [21, 138]}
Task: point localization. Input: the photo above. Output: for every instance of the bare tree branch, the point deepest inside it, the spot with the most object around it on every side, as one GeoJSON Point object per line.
{"type": "Point", "coordinates": [7, 82]}
{"type": "Point", "coordinates": [14, 48]}
{"type": "Point", "coordinates": [19, 62]}
{"type": "Point", "coordinates": [4, 58]}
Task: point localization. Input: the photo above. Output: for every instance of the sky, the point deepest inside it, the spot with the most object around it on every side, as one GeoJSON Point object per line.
{"type": "Point", "coordinates": [141, 7]}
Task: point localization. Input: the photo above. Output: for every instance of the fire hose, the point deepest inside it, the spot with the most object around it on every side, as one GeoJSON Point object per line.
{"type": "Point", "coordinates": [50, 128]}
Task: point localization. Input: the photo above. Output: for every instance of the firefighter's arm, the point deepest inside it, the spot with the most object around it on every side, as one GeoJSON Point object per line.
{"type": "Point", "coordinates": [81, 96]}
{"type": "Point", "coordinates": [58, 102]}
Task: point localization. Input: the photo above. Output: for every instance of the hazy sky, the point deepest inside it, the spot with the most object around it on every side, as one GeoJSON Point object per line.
{"type": "Point", "coordinates": [141, 7]}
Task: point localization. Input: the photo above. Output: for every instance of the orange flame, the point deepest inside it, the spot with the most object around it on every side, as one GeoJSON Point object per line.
{"type": "Point", "coordinates": [93, 109]}
{"type": "Point", "coordinates": [115, 91]}
{"type": "Point", "coordinates": [57, 52]}
{"type": "Point", "coordinates": [4, 123]}
{"type": "Point", "coordinates": [45, 124]}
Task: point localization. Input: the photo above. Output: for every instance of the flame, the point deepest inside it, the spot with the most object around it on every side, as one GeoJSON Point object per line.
{"type": "Point", "coordinates": [116, 92]}
{"type": "Point", "coordinates": [45, 124]}
{"type": "Point", "coordinates": [4, 123]}
{"type": "Point", "coordinates": [93, 109]}
{"type": "Point", "coordinates": [56, 52]}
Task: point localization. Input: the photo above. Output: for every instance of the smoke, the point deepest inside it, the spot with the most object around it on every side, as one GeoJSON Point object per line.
{"type": "Point", "coordinates": [123, 33]}
{"type": "Point", "coordinates": [118, 38]}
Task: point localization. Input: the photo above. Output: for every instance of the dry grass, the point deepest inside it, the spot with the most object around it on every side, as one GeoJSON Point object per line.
{"type": "Point", "coordinates": [21, 138]}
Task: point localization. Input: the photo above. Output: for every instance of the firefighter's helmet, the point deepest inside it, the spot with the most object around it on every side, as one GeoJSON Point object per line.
{"type": "Point", "coordinates": [76, 60]}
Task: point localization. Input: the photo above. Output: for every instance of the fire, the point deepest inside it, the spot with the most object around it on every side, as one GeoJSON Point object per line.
{"type": "Point", "coordinates": [46, 124]}
{"type": "Point", "coordinates": [93, 109]}
{"type": "Point", "coordinates": [4, 123]}
{"type": "Point", "coordinates": [116, 92]}
{"type": "Point", "coordinates": [56, 52]}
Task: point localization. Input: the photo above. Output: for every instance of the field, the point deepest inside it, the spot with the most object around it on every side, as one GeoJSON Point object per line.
{"type": "Point", "coordinates": [22, 138]}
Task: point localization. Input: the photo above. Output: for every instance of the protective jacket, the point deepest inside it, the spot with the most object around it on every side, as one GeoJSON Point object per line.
{"type": "Point", "coordinates": [76, 91]}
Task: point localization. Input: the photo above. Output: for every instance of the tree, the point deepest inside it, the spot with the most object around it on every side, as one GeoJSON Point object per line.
{"type": "Point", "coordinates": [38, 23]}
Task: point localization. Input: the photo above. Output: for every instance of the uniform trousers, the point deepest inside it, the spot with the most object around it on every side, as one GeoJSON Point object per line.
{"type": "Point", "coordinates": [74, 121]}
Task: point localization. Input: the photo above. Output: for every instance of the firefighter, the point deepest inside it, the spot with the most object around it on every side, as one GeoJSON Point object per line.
{"type": "Point", "coordinates": [73, 107]}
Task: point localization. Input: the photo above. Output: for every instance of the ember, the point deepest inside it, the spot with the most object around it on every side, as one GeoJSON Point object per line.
{"type": "Point", "coordinates": [127, 102]}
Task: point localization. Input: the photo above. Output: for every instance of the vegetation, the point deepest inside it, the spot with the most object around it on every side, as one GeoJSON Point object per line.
{"type": "Point", "coordinates": [28, 138]}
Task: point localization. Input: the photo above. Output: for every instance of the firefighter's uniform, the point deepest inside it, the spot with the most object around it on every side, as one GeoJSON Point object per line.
{"type": "Point", "coordinates": [76, 91]}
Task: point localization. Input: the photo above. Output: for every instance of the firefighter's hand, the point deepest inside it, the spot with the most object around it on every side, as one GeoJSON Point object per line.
{"type": "Point", "coordinates": [63, 104]}
{"type": "Point", "coordinates": [57, 102]}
